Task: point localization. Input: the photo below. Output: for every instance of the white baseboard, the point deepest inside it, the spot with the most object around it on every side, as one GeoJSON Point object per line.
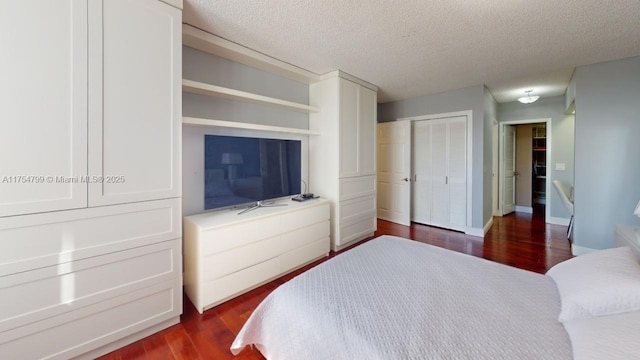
{"type": "Point", "coordinates": [488, 225]}
{"type": "Point", "coordinates": [580, 250]}
{"type": "Point", "coordinates": [524, 209]}
{"type": "Point", "coordinates": [474, 232]}
{"type": "Point", "coordinates": [558, 221]}
{"type": "Point", "coordinates": [480, 232]}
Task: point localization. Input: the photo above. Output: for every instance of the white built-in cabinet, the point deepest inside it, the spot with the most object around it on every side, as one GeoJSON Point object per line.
{"type": "Point", "coordinates": [342, 164]}
{"type": "Point", "coordinates": [134, 100]}
{"type": "Point", "coordinates": [439, 163]}
{"type": "Point", "coordinates": [43, 134]}
{"type": "Point", "coordinates": [90, 146]}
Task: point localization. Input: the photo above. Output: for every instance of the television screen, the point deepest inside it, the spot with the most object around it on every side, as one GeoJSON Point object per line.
{"type": "Point", "coordinates": [243, 170]}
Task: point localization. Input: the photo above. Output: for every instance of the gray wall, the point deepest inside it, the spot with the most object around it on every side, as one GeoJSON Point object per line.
{"type": "Point", "coordinates": [562, 140]}
{"type": "Point", "coordinates": [490, 114]}
{"type": "Point", "coordinates": [470, 98]}
{"type": "Point", "coordinates": [207, 68]}
{"type": "Point", "coordinates": [607, 147]}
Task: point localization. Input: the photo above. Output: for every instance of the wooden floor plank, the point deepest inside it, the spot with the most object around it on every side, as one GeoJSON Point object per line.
{"type": "Point", "coordinates": [518, 239]}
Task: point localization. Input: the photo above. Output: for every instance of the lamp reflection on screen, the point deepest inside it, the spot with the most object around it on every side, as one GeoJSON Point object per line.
{"type": "Point", "coordinates": [232, 160]}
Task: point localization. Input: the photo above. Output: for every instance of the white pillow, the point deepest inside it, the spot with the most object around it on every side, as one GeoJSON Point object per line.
{"type": "Point", "coordinates": [604, 282]}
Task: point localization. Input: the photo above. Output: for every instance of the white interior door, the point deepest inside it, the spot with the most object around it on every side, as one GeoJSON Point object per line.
{"type": "Point", "coordinates": [457, 178]}
{"type": "Point", "coordinates": [509, 167]}
{"type": "Point", "coordinates": [421, 186]}
{"type": "Point", "coordinates": [394, 171]}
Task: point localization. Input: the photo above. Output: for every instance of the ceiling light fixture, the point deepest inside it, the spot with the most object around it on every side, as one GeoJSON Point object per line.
{"type": "Point", "coordinates": [528, 99]}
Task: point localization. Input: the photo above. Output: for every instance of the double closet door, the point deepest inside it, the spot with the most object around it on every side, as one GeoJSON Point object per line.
{"type": "Point", "coordinates": [439, 163]}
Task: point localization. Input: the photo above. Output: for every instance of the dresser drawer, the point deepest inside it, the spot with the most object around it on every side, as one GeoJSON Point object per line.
{"type": "Point", "coordinates": [357, 186]}
{"type": "Point", "coordinates": [87, 328]}
{"type": "Point", "coordinates": [41, 240]}
{"type": "Point", "coordinates": [239, 258]}
{"type": "Point", "coordinates": [297, 257]}
{"type": "Point", "coordinates": [54, 290]}
{"type": "Point", "coordinates": [222, 238]}
{"type": "Point", "coordinates": [306, 235]}
{"type": "Point", "coordinates": [356, 208]}
{"type": "Point", "coordinates": [358, 228]}
{"type": "Point", "coordinates": [303, 217]}
{"type": "Point", "coordinates": [222, 289]}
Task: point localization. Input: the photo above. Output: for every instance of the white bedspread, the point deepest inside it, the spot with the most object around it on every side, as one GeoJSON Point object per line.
{"type": "Point", "coordinates": [393, 298]}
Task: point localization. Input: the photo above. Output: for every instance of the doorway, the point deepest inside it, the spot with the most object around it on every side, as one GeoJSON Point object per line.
{"type": "Point", "coordinates": [522, 180]}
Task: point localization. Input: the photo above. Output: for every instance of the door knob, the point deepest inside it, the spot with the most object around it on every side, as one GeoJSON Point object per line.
{"type": "Point", "coordinates": [405, 179]}
{"type": "Point", "coordinates": [515, 173]}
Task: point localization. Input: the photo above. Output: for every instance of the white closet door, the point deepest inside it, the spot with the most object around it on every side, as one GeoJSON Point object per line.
{"type": "Point", "coordinates": [439, 192]}
{"type": "Point", "coordinates": [367, 131]}
{"type": "Point", "coordinates": [457, 162]}
{"type": "Point", "coordinates": [43, 102]}
{"type": "Point", "coordinates": [135, 100]}
{"type": "Point", "coordinates": [348, 128]}
{"type": "Point", "coordinates": [508, 166]}
{"type": "Point", "coordinates": [421, 187]}
{"type": "Point", "coordinates": [439, 173]}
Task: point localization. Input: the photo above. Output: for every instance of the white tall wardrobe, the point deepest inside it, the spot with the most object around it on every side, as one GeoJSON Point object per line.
{"type": "Point", "coordinates": [439, 164]}
{"type": "Point", "coordinates": [90, 142]}
{"type": "Point", "coordinates": [342, 160]}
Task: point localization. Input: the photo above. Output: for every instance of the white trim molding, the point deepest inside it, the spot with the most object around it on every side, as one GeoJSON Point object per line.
{"type": "Point", "coordinates": [474, 232]}
{"type": "Point", "coordinates": [558, 221]}
{"type": "Point", "coordinates": [524, 209]}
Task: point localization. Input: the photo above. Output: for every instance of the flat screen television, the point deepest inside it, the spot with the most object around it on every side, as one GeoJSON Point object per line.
{"type": "Point", "coordinates": [247, 170]}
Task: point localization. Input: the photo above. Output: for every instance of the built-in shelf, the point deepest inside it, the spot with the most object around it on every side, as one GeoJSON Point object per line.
{"type": "Point", "coordinates": [200, 88]}
{"type": "Point", "coordinates": [212, 44]}
{"type": "Point", "coordinates": [238, 125]}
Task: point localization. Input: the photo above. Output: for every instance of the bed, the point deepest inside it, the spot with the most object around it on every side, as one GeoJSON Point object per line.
{"type": "Point", "coordinates": [393, 298]}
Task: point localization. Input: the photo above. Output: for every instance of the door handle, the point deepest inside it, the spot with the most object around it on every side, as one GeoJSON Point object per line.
{"type": "Point", "coordinates": [515, 173]}
{"type": "Point", "coordinates": [405, 179]}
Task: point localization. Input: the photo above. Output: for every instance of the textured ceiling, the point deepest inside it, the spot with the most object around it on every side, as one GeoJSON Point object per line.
{"type": "Point", "coordinates": [410, 48]}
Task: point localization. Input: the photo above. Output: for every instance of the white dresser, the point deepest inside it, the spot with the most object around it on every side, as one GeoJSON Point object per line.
{"type": "Point", "coordinates": [226, 254]}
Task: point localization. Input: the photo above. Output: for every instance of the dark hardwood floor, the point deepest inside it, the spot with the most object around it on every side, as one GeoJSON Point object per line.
{"type": "Point", "coordinates": [520, 240]}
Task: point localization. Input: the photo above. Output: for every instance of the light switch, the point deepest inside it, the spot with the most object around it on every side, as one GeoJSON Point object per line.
{"type": "Point", "coordinates": [560, 166]}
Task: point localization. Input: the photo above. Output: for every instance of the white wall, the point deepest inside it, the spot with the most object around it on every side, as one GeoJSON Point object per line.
{"type": "Point", "coordinates": [607, 150]}
{"type": "Point", "coordinates": [207, 68]}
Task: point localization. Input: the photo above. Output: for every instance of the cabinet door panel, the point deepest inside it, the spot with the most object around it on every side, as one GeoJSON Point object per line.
{"type": "Point", "coordinates": [367, 132]}
{"type": "Point", "coordinates": [43, 100]}
{"type": "Point", "coordinates": [134, 134]}
{"type": "Point", "coordinates": [348, 128]}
